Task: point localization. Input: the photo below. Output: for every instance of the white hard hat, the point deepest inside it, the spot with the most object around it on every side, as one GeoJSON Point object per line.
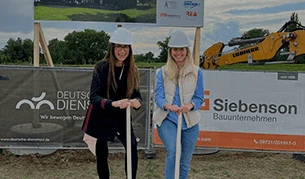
{"type": "Point", "coordinates": [179, 39]}
{"type": "Point", "coordinates": [121, 36]}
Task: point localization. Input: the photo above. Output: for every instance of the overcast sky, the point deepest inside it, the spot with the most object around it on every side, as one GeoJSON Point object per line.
{"type": "Point", "coordinates": [223, 20]}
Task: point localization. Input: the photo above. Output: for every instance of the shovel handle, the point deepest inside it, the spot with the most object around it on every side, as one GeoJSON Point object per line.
{"type": "Point", "coordinates": [128, 142]}
{"type": "Point", "coordinates": [178, 147]}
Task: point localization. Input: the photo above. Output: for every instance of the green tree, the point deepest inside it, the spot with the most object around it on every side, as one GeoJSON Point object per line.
{"type": "Point", "coordinates": [139, 57]}
{"type": "Point", "coordinates": [253, 33]}
{"type": "Point", "coordinates": [13, 50]}
{"type": "Point", "coordinates": [149, 57]}
{"type": "Point", "coordinates": [2, 57]}
{"type": "Point", "coordinates": [18, 50]}
{"type": "Point", "coordinates": [86, 45]}
{"type": "Point", "coordinates": [295, 22]}
{"type": "Point", "coordinates": [59, 51]}
{"type": "Point", "coordinates": [163, 47]}
{"type": "Point", "coordinates": [251, 36]}
{"type": "Point", "coordinates": [28, 46]}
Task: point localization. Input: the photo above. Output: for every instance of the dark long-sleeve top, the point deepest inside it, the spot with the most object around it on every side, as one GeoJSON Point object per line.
{"type": "Point", "coordinates": [103, 120]}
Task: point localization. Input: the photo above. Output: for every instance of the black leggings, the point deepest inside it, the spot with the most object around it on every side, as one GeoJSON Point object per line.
{"type": "Point", "coordinates": [102, 156]}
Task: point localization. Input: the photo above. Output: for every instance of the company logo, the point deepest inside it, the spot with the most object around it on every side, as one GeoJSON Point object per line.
{"type": "Point", "coordinates": [240, 106]}
{"type": "Point", "coordinates": [163, 14]}
{"type": "Point", "coordinates": [65, 100]}
{"type": "Point", "coordinates": [225, 105]}
{"type": "Point", "coordinates": [190, 4]}
{"type": "Point", "coordinates": [206, 102]}
{"type": "Point", "coordinates": [191, 13]}
{"type": "Point", "coordinates": [170, 4]}
{"type": "Point", "coordinates": [245, 52]}
{"type": "Point", "coordinates": [38, 100]}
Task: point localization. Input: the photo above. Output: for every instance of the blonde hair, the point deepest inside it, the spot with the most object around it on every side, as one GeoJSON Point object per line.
{"type": "Point", "coordinates": [132, 73]}
{"type": "Point", "coordinates": [173, 72]}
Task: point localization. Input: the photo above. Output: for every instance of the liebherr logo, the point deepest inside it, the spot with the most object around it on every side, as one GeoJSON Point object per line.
{"type": "Point", "coordinates": [38, 100]}
{"type": "Point", "coordinates": [206, 102]}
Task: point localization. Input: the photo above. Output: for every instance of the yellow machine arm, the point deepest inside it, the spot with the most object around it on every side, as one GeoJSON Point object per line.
{"type": "Point", "coordinates": [257, 50]}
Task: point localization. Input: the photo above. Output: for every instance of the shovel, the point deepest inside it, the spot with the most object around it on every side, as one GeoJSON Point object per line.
{"type": "Point", "coordinates": [178, 147]}
{"type": "Point", "coordinates": [128, 142]}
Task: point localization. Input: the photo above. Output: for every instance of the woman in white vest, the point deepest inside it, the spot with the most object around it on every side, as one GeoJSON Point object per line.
{"type": "Point", "coordinates": [179, 90]}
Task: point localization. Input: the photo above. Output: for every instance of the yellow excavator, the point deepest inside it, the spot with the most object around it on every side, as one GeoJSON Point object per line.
{"type": "Point", "coordinates": [257, 50]}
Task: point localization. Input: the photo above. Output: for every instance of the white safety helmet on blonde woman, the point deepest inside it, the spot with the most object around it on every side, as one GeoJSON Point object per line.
{"type": "Point", "coordinates": [121, 36]}
{"type": "Point", "coordinates": [178, 40]}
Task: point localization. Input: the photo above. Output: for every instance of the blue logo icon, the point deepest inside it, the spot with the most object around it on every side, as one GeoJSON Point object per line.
{"type": "Point", "coordinates": [190, 4]}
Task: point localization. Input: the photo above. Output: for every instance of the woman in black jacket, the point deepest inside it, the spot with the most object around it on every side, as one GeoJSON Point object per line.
{"type": "Point", "coordinates": [114, 86]}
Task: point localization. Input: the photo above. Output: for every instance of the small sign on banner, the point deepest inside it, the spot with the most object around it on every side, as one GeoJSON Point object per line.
{"type": "Point", "coordinates": [180, 13]}
{"type": "Point", "coordinates": [287, 76]}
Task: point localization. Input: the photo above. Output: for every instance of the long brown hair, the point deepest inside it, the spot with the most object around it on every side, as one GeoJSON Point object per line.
{"type": "Point", "coordinates": [132, 73]}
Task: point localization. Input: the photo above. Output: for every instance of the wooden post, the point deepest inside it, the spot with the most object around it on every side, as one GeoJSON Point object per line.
{"type": "Point", "coordinates": [45, 48]}
{"type": "Point", "coordinates": [39, 38]}
{"type": "Point", "coordinates": [196, 49]}
{"type": "Point", "coordinates": [36, 44]}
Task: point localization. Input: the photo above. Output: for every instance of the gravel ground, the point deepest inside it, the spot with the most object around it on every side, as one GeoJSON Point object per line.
{"type": "Point", "coordinates": [79, 164]}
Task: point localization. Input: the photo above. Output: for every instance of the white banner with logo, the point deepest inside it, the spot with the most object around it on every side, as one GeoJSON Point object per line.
{"type": "Point", "coordinates": [253, 110]}
{"type": "Point", "coordinates": [180, 13]}
{"type": "Point", "coordinates": [45, 107]}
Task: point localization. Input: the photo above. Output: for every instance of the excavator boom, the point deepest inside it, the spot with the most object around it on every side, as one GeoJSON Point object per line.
{"type": "Point", "coordinates": [259, 49]}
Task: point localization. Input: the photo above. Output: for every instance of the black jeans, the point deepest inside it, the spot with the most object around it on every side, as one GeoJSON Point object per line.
{"type": "Point", "coordinates": [102, 156]}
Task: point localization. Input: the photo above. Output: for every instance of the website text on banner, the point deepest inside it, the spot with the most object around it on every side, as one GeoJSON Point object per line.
{"type": "Point", "coordinates": [252, 110]}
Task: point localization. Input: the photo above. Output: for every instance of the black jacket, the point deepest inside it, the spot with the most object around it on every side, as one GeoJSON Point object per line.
{"type": "Point", "coordinates": [103, 120]}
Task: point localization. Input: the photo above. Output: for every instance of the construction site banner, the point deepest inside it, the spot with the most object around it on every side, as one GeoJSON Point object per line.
{"type": "Point", "coordinates": [161, 12]}
{"type": "Point", "coordinates": [180, 13]}
{"type": "Point", "coordinates": [252, 111]}
{"type": "Point", "coordinates": [44, 107]}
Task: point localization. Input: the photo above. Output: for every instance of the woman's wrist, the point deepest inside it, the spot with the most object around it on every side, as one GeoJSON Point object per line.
{"type": "Point", "coordinates": [192, 104]}
{"type": "Point", "coordinates": [167, 107]}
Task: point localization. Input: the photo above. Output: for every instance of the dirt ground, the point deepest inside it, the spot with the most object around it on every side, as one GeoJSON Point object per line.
{"type": "Point", "coordinates": [80, 164]}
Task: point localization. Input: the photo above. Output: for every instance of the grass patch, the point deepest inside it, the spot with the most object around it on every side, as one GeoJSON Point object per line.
{"type": "Point", "coordinates": [149, 65]}
{"type": "Point", "coordinates": [89, 14]}
{"type": "Point", "coordinates": [269, 67]}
